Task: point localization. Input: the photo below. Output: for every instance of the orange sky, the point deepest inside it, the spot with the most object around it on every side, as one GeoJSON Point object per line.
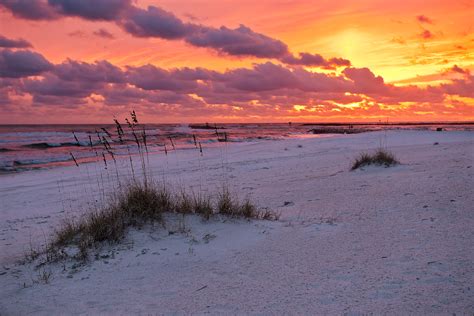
{"type": "Point", "coordinates": [407, 43]}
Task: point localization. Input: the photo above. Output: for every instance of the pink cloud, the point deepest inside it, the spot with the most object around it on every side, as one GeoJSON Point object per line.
{"type": "Point", "coordinates": [158, 23]}
{"type": "Point", "coordinates": [274, 87]}
{"type": "Point", "coordinates": [424, 19]}
{"type": "Point", "coordinates": [426, 34]}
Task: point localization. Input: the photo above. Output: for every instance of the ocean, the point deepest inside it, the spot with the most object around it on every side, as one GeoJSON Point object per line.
{"type": "Point", "coordinates": [27, 147]}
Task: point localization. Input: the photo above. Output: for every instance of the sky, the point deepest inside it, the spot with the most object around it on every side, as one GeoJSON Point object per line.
{"type": "Point", "coordinates": [180, 61]}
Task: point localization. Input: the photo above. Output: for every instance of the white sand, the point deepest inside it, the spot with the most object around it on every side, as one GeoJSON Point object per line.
{"type": "Point", "coordinates": [381, 240]}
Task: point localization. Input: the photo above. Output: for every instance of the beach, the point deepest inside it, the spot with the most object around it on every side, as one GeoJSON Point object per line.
{"type": "Point", "coordinates": [378, 240]}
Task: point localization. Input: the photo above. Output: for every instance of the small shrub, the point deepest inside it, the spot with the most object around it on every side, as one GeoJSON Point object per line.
{"type": "Point", "coordinates": [381, 157]}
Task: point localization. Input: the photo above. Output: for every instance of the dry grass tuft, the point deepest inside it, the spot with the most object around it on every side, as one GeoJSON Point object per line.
{"type": "Point", "coordinates": [142, 203]}
{"type": "Point", "coordinates": [184, 203]}
{"type": "Point", "coordinates": [248, 210]}
{"type": "Point", "coordinates": [225, 204]}
{"type": "Point", "coordinates": [134, 206]}
{"type": "Point", "coordinates": [202, 205]}
{"type": "Point", "coordinates": [381, 157]}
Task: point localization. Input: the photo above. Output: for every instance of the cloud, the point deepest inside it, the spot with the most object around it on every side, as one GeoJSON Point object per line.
{"type": "Point", "coordinates": [22, 63]}
{"type": "Point", "coordinates": [108, 10]}
{"type": "Point", "coordinates": [100, 71]}
{"type": "Point", "coordinates": [426, 34]}
{"type": "Point", "coordinates": [365, 81]}
{"type": "Point", "coordinates": [104, 34]}
{"type": "Point", "coordinates": [153, 78]}
{"type": "Point", "coordinates": [264, 90]}
{"type": "Point", "coordinates": [191, 17]}
{"type": "Point", "coordinates": [460, 70]}
{"type": "Point", "coordinates": [153, 22]}
{"type": "Point", "coordinates": [262, 77]}
{"type": "Point", "coordinates": [156, 22]}
{"type": "Point", "coordinates": [341, 62]}
{"type": "Point", "coordinates": [462, 87]}
{"type": "Point", "coordinates": [50, 90]}
{"type": "Point", "coordinates": [398, 40]}
{"type": "Point", "coordinates": [424, 19]}
{"type": "Point", "coordinates": [123, 95]}
{"type": "Point", "coordinates": [12, 43]}
{"type": "Point", "coordinates": [315, 60]}
{"type": "Point", "coordinates": [239, 41]}
{"type": "Point", "coordinates": [77, 33]}
{"type": "Point", "coordinates": [30, 9]}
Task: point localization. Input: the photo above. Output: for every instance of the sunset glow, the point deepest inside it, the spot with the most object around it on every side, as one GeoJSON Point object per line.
{"type": "Point", "coordinates": [227, 61]}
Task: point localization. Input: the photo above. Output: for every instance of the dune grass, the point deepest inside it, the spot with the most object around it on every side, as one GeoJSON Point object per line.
{"type": "Point", "coordinates": [141, 204]}
{"type": "Point", "coordinates": [381, 157]}
{"type": "Point", "coordinates": [136, 199]}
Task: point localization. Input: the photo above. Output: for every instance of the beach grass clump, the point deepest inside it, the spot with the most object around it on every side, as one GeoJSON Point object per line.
{"type": "Point", "coordinates": [269, 215]}
{"type": "Point", "coordinates": [144, 202]}
{"type": "Point", "coordinates": [226, 204]}
{"type": "Point", "coordinates": [131, 207]}
{"type": "Point", "coordinates": [184, 203]}
{"type": "Point", "coordinates": [66, 233]}
{"type": "Point", "coordinates": [381, 157]}
{"type": "Point", "coordinates": [248, 210]}
{"type": "Point", "coordinates": [106, 225]}
{"type": "Point", "coordinates": [202, 205]}
{"type": "Point", "coordinates": [136, 199]}
{"type": "Point", "coordinates": [230, 205]}
{"type": "Point", "coordinates": [140, 204]}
